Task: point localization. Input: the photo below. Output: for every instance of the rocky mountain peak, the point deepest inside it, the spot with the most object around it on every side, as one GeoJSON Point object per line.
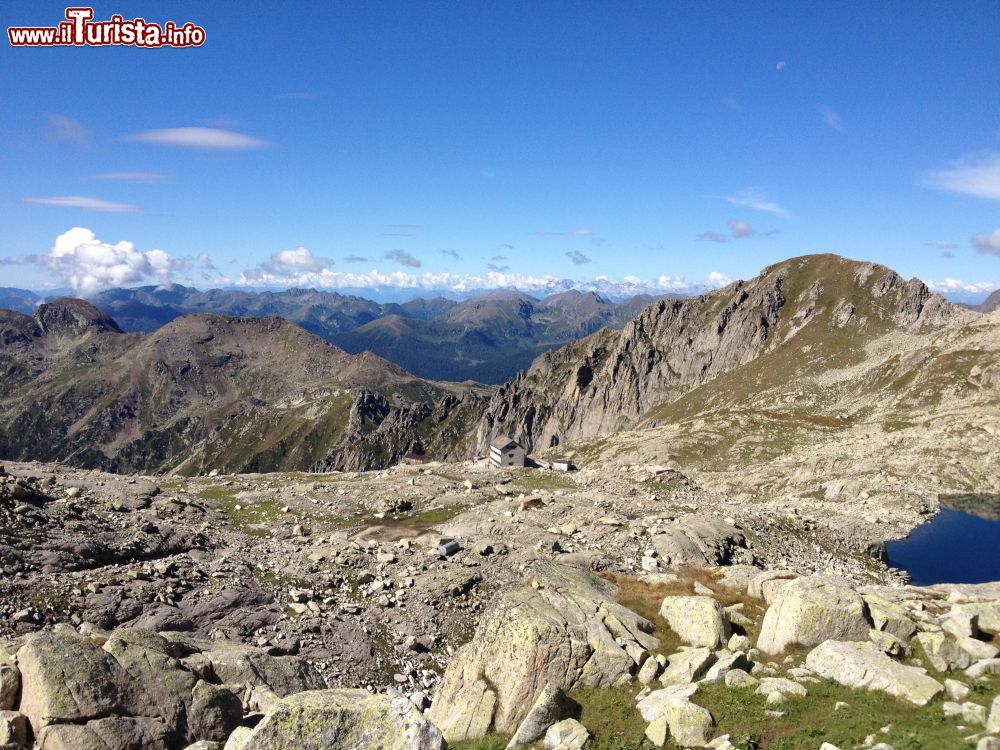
{"type": "Point", "coordinates": [77, 316]}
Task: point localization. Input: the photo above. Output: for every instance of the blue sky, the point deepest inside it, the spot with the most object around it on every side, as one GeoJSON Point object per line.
{"type": "Point", "coordinates": [457, 144]}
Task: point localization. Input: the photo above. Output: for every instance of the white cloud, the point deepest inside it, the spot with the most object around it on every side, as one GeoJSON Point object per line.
{"type": "Point", "coordinates": [717, 279]}
{"type": "Point", "coordinates": [957, 285]}
{"type": "Point", "coordinates": [832, 118]}
{"type": "Point", "coordinates": [757, 200]}
{"type": "Point", "coordinates": [68, 130]}
{"type": "Point", "coordinates": [201, 138]}
{"type": "Point", "coordinates": [987, 243]}
{"type": "Point", "coordinates": [979, 178]}
{"type": "Point", "coordinates": [299, 257]}
{"type": "Point", "coordinates": [87, 204]}
{"type": "Point", "coordinates": [131, 176]}
{"type": "Point", "coordinates": [88, 265]}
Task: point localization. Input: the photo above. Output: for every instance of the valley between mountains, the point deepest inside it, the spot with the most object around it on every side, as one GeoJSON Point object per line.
{"type": "Point", "coordinates": [208, 539]}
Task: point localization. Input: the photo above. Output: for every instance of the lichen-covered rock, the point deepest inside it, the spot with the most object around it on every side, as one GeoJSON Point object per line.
{"type": "Point", "coordinates": [111, 733]}
{"type": "Point", "coordinates": [943, 653]}
{"type": "Point", "coordinates": [566, 629]}
{"type": "Point", "coordinates": [889, 616]}
{"type": "Point", "coordinates": [654, 705]}
{"type": "Point", "coordinates": [472, 718]}
{"type": "Point", "coordinates": [781, 685]}
{"type": "Point", "coordinates": [697, 620]}
{"type": "Point", "coordinates": [689, 724]}
{"type": "Point", "coordinates": [687, 665]}
{"type": "Point", "coordinates": [549, 708]}
{"type": "Point", "coordinates": [568, 734]}
{"type": "Point", "coordinates": [66, 678]}
{"type": "Point", "coordinates": [811, 610]}
{"type": "Point", "coordinates": [698, 540]}
{"type": "Point", "coordinates": [993, 722]}
{"type": "Point", "coordinates": [861, 665]}
{"type": "Point", "coordinates": [214, 713]}
{"type": "Point", "coordinates": [344, 720]}
{"type": "Point", "coordinates": [13, 729]}
{"type": "Point", "coordinates": [10, 681]}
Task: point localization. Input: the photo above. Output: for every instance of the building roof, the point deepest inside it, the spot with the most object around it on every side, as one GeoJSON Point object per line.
{"type": "Point", "coordinates": [504, 442]}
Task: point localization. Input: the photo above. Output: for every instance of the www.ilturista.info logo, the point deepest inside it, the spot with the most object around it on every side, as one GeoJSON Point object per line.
{"type": "Point", "coordinates": [80, 30]}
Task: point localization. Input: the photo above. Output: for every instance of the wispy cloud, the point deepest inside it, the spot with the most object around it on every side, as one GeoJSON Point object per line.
{"type": "Point", "coordinates": [67, 130]}
{"type": "Point", "coordinates": [755, 199]}
{"type": "Point", "coordinates": [396, 234]}
{"type": "Point", "coordinates": [582, 232]}
{"type": "Point", "coordinates": [87, 204]}
{"type": "Point", "coordinates": [200, 138]}
{"type": "Point", "coordinates": [496, 268]}
{"type": "Point", "coordinates": [451, 254]}
{"type": "Point", "coordinates": [780, 65]}
{"type": "Point", "coordinates": [131, 176]}
{"type": "Point", "coordinates": [987, 243]}
{"type": "Point", "coordinates": [355, 259]}
{"type": "Point", "coordinates": [979, 177]}
{"type": "Point", "coordinates": [499, 257]}
{"type": "Point", "coordinates": [710, 236]}
{"type": "Point", "coordinates": [403, 258]}
{"type": "Point", "coordinates": [832, 118]}
{"type": "Point", "coordinates": [577, 257]}
{"type": "Point", "coordinates": [941, 245]}
{"type": "Point", "coordinates": [88, 265]}
{"type": "Point", "coordinates": [301, 96]}
{"type": "Point", "coordinates": [740, 229]}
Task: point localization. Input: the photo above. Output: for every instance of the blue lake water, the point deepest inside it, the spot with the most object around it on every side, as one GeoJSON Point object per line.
{"type": "Point", "coordinates": [960, 545]}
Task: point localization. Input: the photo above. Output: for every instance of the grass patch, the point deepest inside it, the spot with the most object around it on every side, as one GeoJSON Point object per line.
{"type": "Point", "coordinates": [434, 515]}
{"type": "Point", "coordinates": [808, 722]}
{"type": "Point", "coordinates": [611, 717]}
{"type": "Point", "coordinates": [540, 479]}
{"type": "Point", "coordinates": [249, 517]}
{"type": "Point", "coordinates": [489, 742]}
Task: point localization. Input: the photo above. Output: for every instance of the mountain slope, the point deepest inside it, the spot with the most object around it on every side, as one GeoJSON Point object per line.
{"type": "Point", "coordinates": [205, 391]}
{"type": "Point", "coordinates": [806, 314]}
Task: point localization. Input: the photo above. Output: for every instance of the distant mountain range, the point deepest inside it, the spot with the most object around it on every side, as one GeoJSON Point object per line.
{"type": "Point", "coordinates": [487, 338]}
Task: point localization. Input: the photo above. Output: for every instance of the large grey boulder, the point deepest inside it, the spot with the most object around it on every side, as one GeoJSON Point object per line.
{"type": "Point", "coordinates": [811, 610]}
{"type": "Point", "coordinates": [67, 679]}
{"type": "Point", "coordinates": [214, 712]}
{"type": "Point", "coordinates": [943, 653]}
{"type": "Point", "coordinates": [344, 720]}
{"type": "Point", "coordinates": [862, 665]}
{"type": "Point", "coordinates": [10, 681]}
{"type": "Point", "coordinates": [687, 665]}
{"type": "Point", "coordinates": [568, 734]}
{"type": "Point", "coordinates": [697, 620]}
{"type": "Point", "coordinates": [566, 629]}
{"type": "Point", "coordinates": [111, 733]}
{"type": "Point", "coordinates": [697, 540]}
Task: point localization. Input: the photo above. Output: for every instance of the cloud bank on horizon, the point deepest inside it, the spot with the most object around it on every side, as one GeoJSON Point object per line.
{"type": "Point", "coordinates": [88, 265]}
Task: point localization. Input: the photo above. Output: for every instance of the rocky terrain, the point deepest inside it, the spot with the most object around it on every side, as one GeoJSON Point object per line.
{"type": "Point", "coordinates": [141, 611]}
{"type": "Point", "coordinates": [713, 575]}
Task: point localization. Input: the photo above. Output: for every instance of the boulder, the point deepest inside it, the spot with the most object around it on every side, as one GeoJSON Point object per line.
{"type": "Point", "coordinates": [781, 685]}
{"type": "Point", "coordinates": [343, 720]}
{"type": "Point", "coordinates": [943, 653]}
{"type": "Point", "coordinates": [811, 610]}
{"type": "Point", "coordinates": [568, 734]}
{"type": "Point", "coordinates": [10, 681]}
{"type": "Point", "coordinates": [13, 729]}
{"type": "Point", "coordinates": [566, 629]}
{"type": "Point", "coordinates": [550, 707]}
{"type": "Point", "coordinates": [111, 733]}
{"type": "Point", "coordinates": [889, 616]}
{"type": "Point", "coordinates": [987, 614]}
{"type": "Point", "coordinates": [725, 663]}
{"type": "Point", "coordinates": [687, 665]}
{"type": "Point", "coordinates": [697, 620]}
{"type": "Point", "coordinates": [861, 665]}
{"type": "Point", "coordinates": [697, 540]}
{"type": "Point", "coordinates": [993, 722]}
{"type": "Point", "coordinates": [214, 713]}
{"type": "Point", "coordinates": [654, 704]}
{"type": "Point", "coordinates": [759, 580]}
{"type": "Point", "coordinates": [689, 724]}
{"type": "Point", "coordinates": [67, 679]}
